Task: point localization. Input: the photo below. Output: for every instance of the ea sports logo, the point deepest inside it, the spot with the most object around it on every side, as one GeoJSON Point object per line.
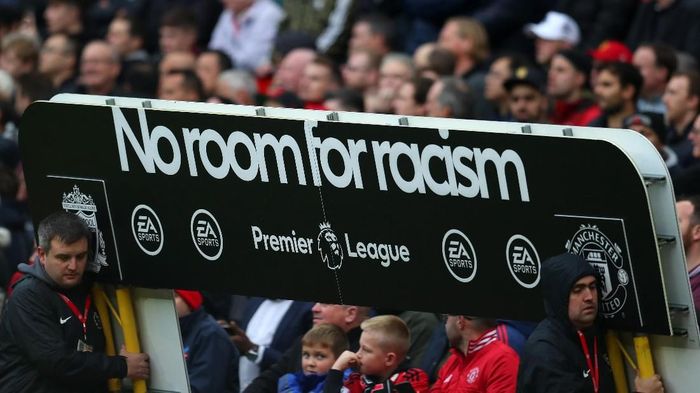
{"type": "Point", "coordinates": [329, 247]}
{"type": "Point", "coordinates": [206, 235]}
{"type": "Point", "coordinates": [147, 230]}
{"type": "Point", "coordinates": [459, 256]}
{"type": "Point", "coordinates": [523, 261]}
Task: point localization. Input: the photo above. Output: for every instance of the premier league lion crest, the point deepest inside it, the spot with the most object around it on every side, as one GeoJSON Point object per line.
{"type": "Point", "coordinates": [606, 258]}
{"type": "Point", "coordinates": [329, 247]}
{"type": "Point", "coordinates": [84, 207]}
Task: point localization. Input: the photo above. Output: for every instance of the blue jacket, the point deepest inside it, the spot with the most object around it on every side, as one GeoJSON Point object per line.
{"type": "Point", "coordinates": [300, 383]}
{"type": "Point", "coordinates": [212, 360]}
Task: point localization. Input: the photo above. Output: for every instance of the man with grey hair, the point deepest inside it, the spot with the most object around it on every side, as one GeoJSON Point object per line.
{"type": "Point", "coordinates": [237, 86]}
{"type": "Point", "coordinates": [99, 69]}
{"type": "Point", "coordinates": [395, 70]}
{"type": "Point", "coordinates": [450, 97]}
{"type": "Point", "coordinates": [51, 335]}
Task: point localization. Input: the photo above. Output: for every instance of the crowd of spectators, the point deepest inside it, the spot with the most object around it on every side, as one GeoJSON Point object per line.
{"type": "Point", "coordinates": [605, 63]}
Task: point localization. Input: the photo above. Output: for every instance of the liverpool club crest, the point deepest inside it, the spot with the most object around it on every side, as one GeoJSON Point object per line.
{"type": "Point", "coordinates": [84, 207]}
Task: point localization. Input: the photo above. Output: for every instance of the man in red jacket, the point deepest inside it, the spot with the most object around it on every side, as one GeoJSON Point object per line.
{"type": "Point", "coordinates": [479, 361]}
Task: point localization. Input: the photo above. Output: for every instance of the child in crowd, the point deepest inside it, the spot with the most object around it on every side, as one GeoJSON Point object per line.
{"type": "Point", "coordinates": [320, 347]}
{"type": "Point", "coordinates": [383, 346]}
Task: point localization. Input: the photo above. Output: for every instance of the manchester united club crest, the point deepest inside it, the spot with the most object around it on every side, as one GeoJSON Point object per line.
{"type": "Point", "coordinates": [473, 375]}
{"type": "Point", "coordinates": [84, 207]}
{"type": "Point", "coordinates": [606, 258]}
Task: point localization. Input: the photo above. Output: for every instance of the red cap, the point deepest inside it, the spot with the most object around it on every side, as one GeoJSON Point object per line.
{"type": "Point", "coordinates": [612, 51]}
{"type": "Point", "coordinates": [192, 298]}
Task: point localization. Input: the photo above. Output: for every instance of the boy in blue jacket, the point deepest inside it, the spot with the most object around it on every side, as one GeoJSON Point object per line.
{"type": "Point", "coordinates": [321, 346]}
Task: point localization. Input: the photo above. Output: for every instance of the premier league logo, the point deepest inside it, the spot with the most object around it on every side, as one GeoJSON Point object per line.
{"type": "Point", "coordinates": [329, 247]}
{"type": "Point", "coordinates": [83, 206]}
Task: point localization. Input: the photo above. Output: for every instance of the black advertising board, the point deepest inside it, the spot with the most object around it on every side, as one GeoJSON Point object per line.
{"type": "Point", "coordinates": [409, 218]}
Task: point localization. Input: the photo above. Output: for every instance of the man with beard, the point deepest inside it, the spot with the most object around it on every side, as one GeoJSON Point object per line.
{"type": "Point", "coordinates": [526, 100]}
{"type": "Point", "coordinates": [566, 352]}
{"type": "Point", "coordinates": [617, 89]}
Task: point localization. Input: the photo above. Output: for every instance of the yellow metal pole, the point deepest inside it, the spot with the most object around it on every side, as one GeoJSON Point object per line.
{"type": "Point", "coordinates": [645, 360]}
{"type": "Point", "coordinates": [98, 299]}
{"type": "Point", "coordinates": [131, 338]}
{"type": "Point", "coordinates": [616, 362]}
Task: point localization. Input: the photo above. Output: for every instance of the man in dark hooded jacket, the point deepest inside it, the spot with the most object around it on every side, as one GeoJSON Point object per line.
{"type": "Point", "coordinates": [566, 352]}
{"type": "Point", "coordinates": [51, 336]}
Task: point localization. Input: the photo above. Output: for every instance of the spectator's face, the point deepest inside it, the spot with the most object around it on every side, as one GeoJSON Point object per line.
{"type": "Point", "coordinates": [450, 40]}
{"type": "Point", "coordinates": [315, 83]}
{"type": "Point", "coordinates": [237, 5]}
{"type": "Point", "coordinates": [118, 36]}
{"type": "Point", "coordinates": [176, 61]}
{"type": "Point", "coordinates": [432, 104]}
{"type": "Point", "coordinates": [316, 359]}
{"type": "Point", "coordinates": [357, 73]}
{"type": "Point", "coordinates": [372, 359]}
{"type": "Point", "coordinates": [609, 93]}
{"type": "Point", "coordinates": [65, 263]}
{"type": "Point", "coordinates": [498, 73]}
{"type": "Point", "coordinates": [392, 75]}
{"type": "Point", "coordinates": [405, 104]}
{"type": "Point", "coordinates": [422, 55]}
{"type": "Point", "coordinates": [175, 39]}
{"type": "Point", "coordinates": [330, 313]}
{"type": "Point", "coordinates": [172, 88]}
{"type": "Point", "coordinates": [208, 70]}
{"type": "Point", "coordinates": [362, 37]}
{"type": "Point", "coordinates": [583, 302]}
{"type": "Point", "coordinates": [690, 230]}
{"type": "Point", "coordinates": [54, 57]}
{"type": "Point", "coordinates": [98, 69]}
{"type": "Point", "coordinates": [452, 331]}
{"type": "Point", "coordinates": [181, 307]}
{"type": "Point", "coordinates": [291, 69]}
{"type": "Point", "coordinates": [645, 61]}
{"type": "Point", "coordinates": [694, 137]}
{"type": "Point", "coordinates": [10, 62]}
{"type": "Point", "coordinates": [526, 103]}
{"type": "Point", "coordinates": [545, 49]}
{"type": "Point", "coordinates": [61, 17]}
{"type": "Point", "coordinates": [677, 100]}
{"type": "Point", "coordinates": [563, 79]}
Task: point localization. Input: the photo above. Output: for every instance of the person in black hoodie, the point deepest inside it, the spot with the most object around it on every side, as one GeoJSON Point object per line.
{"type": "Point", "coordinates": [51, 336]}
{"type": "Point", "coordinates": [566, 352]}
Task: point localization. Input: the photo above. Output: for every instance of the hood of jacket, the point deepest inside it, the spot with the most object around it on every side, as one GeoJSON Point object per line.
{"type": "Point", "coordinates": [37, 271]}
{"type": "Point", "coordinates": [559, 274]}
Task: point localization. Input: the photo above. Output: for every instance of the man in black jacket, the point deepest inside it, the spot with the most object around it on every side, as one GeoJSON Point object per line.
{"type": "Point", "coordinates": [51, 336]}
{"type": "Point", "coordinates": [566, 352]}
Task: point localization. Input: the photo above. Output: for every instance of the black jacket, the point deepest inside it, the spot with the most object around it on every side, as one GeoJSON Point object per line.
{"type": "Point", "coordinates": [553, 360]}
{"type": "Point", "coordinates": [39, 338]}
{"type": "Point", "coordinates": [676, 26]}
{"type": "Point", "coordinates": [212, 360]}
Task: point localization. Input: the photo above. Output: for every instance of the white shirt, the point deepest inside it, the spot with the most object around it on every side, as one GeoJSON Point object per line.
{"type": "Point", "coordinates": [248, 38]}
{"type": "Point", "coordinates": [261, 329]}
